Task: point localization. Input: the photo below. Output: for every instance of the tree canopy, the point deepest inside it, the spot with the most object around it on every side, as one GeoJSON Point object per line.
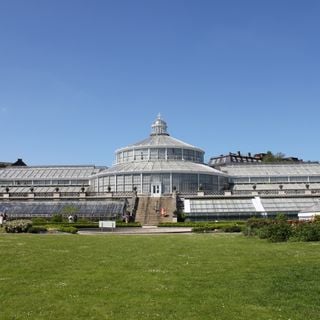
{"type": "Point", "coordinates": [275, 157]}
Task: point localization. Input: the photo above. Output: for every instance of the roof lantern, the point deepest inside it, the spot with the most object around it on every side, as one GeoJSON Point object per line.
{"type": "Point", "coordinates": [159, 127]}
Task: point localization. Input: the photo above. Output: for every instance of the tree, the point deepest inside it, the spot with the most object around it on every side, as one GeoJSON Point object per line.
{"type": "Point", "coordinates": [69, 210]}
{"type": "Point", "coordinates": [270, 157]}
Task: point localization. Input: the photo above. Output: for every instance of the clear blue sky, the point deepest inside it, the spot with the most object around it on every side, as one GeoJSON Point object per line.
{"type": "Point", "coordinates": [81, 78]}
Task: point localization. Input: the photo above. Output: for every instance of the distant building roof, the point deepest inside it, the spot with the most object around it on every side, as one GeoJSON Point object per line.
{"type": "Point", "coordinates": [233, 158]}
{"type": "Point", "coordinates": [230, 158]}
{"type": "Point", "coordinates": [18, 163]}
{"type": "Point", "coordinates": [5, 164]}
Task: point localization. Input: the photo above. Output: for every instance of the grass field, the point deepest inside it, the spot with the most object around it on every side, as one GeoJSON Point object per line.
{"type": "Point", "coordinates": [197, 276]}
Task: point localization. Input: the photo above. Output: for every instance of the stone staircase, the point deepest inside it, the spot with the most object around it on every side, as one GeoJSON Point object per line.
{"type": "Point", "coordinates": [153, 210]}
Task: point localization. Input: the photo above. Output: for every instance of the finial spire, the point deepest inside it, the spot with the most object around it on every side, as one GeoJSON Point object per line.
{"type": "Point", "coordinates": [159, 127]}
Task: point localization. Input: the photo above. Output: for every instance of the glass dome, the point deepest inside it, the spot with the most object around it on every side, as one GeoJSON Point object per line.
{"type": "Point", "coordinates": [159, 162]}
{"type": "Point", "coordinates": [159, 146]}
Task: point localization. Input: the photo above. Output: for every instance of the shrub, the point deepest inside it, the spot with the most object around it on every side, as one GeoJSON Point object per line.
{"type": "Point", "coordinates": [57, 218]}
{"type": "Point", "coordinates": [203, 229]}
{"type": "Point", "coordinates": [39, 220]}
{"type": "Point", "coordinates": [37, 229]}
{"type": "Point", "coordinates": [279, 229]}
{"type": "Point", "coordinates": [316, 219]}
{"type": "Point", "coordinates": [254, 224]}
{"type": "Point", "coordinates": [257, 223]}
{"type": "Point", "coordinates": [181, 216]}
{"type": "Point", "coordinates": [130, 224]}
{"type": "Point", "coordinates": [72, 230]}
{"type": "Point", "coordinates": [82, 225]}
{"type": "Point", "coordinates": [263, 233]}
{"type": "Point", "coordinates": [281, 217]}
{"type": "Point", "coordinates": [84, 220]}
{"type": "Point", "coordinates": [217, 227]}
{"type": "Point", "coordinates": [234, 228]}
{"type": "Point", "coordinates": [192, 224]}
{"type": "Point", "coordinates": [307, 232]}
{"type": "Point", "coordinates": [276, 232]}
{"type": "Point", "coordinates": [18, 226]}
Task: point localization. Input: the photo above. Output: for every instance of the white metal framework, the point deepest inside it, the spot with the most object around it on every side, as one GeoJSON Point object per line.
{"type": "Point", "coordinates": [159, 164]}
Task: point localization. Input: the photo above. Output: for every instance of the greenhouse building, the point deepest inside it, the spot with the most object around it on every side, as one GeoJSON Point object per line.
{"type": "Point", "coordinates": [158, 166]}
{"type": "Point", "coordinates": [159, 177]}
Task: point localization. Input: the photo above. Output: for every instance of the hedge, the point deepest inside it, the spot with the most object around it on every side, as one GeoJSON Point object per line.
{"type": "Point", "coordinates": [18, 226]}
{"type": "Point", "coordinates": [280, 230]}
{"type": "Point", "coordinates": [68, 229]}
{"type": "Point", "coordinates": [218, 227]}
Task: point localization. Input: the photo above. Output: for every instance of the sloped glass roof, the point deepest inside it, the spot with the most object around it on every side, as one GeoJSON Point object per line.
{"type": "Point", "coordinates": [161, 166]}
{"type": "Point", "coordinates": [44, 189]}
{"type": "Point", "coordinates": [52, 172]}
{"type": "Point", "coordinates": [110, 208]}
{"type": "Point", "coordinates": [287, 204]}
{"type": "Point", "coordinates": [161, 141]}
{"type": "Point", "coordinates": [246, 205]}
{"type": "Point", "coordinates": [300, 169]}
{"type": "Point", "coordinates": [221, 205]}
{"type": "Point", "coordinates": [314, 208]}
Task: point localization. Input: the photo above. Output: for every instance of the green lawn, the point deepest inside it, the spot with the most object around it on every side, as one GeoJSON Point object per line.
{"type": "Point", "coordinates": [198, 276]}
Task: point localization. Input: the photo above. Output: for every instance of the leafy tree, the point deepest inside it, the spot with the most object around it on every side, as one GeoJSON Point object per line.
{"type": "Point", "coordinates": [270, 157]}
{"type": "Point", "coordinates": [69, 210]}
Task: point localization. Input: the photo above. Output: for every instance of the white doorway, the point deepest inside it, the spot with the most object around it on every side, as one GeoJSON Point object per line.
{"type": "Point", "coordinates": [156, 189]}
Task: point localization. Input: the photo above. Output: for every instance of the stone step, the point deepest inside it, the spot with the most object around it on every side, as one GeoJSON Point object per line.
{"type": "Point", "coordinates": [149, 210]}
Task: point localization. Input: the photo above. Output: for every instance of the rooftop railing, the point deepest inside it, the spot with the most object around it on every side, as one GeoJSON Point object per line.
{"type": "Point", "coordinates": [129, 194]}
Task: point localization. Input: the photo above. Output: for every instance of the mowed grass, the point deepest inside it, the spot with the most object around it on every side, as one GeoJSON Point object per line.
{"type": "Point", "coordinates": [198, 276]}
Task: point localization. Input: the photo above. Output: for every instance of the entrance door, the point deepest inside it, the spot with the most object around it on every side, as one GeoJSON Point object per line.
{"type": "Point", "coordinates": [156, 189]}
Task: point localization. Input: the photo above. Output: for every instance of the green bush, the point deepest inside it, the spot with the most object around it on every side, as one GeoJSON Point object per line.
{"type": "Point", "coordinates": [316, 219]}
{"type": "Point", "coordinates": [57, 218]}
{"type": "Point", "coordinates": [263, 233]}
{"type": "Point", "coordinates": [84, 220]}
{"type": "Point", "coordinates": [181, 216]}
{"type": "Point", "coordinates": [253, 225]}
{"type": "Point", "coordinates": [39, 220]}
{"type": "Point", "coordinates": [203, 229]}
{"type": "Point", "coordinates": [18, 226]}
{"type": "Point", "coordinates": [276, 232]}
{"type": "Point", "coordinates": [279, 229]}
{"type": "Point", "coordinates": [81, 225]}
{"type": "Point", "coordinates": [281, 217]}
{"type": "Point", "coordinates": [306, 232]}
{"type": "Point", "coordinates": [37, 229]}
{"type": "Point", "coordinates": [129, 225]}
{"type": "Point", "coordinates": [234, 228]}
{"type": "Point", "coordinates": [258, 223]}
{"type": "Point", "coordinates": [216, 225]}
{"type": "Point", "coordinates": [72, 230]}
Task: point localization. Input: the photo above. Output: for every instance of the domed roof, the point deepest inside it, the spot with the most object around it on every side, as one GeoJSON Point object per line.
{"type": "Point", "coordinates": [161, 166]}
{"type": "Point", "coordinates": [159, 137]}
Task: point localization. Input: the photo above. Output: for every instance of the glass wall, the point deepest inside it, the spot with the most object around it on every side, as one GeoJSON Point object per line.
{"type": "Point", "coordinates": [182, 182]}
{"type": "Point", "coordinates": [145, 154]}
